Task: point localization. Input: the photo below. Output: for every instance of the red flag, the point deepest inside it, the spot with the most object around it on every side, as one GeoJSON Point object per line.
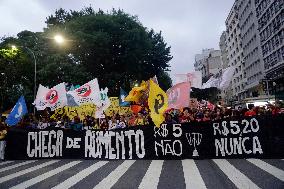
{"type": "Point", "coordinates": [178, 95]}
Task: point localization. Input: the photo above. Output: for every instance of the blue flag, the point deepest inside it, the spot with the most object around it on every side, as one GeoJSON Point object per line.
{"type": "Point", "coordinates": [19, 110]}
{"type": "Point", "coordinates": [122, 96]}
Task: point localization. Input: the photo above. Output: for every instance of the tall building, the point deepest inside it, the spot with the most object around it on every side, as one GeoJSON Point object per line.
{"type": "Point", "coordinates": [270, 16]}
{"type": "Point", "coordinates": [223, 48]}
{"type": "Point", "coordinates": [226, 95]}
{"type": "Point", "coordinates": [235, 52]}
{"type": "Point", "coordinates": [253, 66]}
{"type": "Point", "coordinates": [209, 62]}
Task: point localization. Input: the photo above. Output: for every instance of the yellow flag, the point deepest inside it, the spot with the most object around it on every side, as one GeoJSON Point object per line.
{"type": "Point", "coordinates": [136, 92]}
{"type": "Point", "coordinates": [158, 103]}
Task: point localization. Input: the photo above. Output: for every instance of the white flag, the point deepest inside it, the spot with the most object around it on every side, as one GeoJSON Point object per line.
{"type": "Point", "coordinates": [104, 103]}
{"type": "Point", "coordinates": [212, 82]}
{"type": "Point", "coordinates": [194, 78]}
{"type": "Point", "coordinates": [227, 77]}
{"type": "Point", "coordinates": [87, 93]}
{"type": "Point", "coordinates": [41, 101]}
{"type": "Point", "coordinates": [56, 97]}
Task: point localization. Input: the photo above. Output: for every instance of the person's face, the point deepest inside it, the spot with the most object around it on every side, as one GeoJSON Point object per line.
{"type": "Point", "coordinates": [169, 117]}
{"type": "Point", "coordinates": [218, 112]}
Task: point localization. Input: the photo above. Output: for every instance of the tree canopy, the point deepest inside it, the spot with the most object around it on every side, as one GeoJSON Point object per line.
{"type": "Point", "coordinates": [112, 46]}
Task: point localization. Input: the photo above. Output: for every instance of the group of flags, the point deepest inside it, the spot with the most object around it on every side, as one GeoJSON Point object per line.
{"type": "Point", "coordinates": [158, 101]}
{"type": "Point", "coordinates": [156, 98]}
{"type": "Point", "coordinates": [58, 97]}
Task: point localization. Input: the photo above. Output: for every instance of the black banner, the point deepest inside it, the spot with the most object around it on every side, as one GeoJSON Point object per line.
{"type": "Point", "coordinates": [255, 137]}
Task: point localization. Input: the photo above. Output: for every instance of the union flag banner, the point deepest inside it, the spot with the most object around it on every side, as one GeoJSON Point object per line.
{"type": "Point", "coordinates": [158, 103]}
{"type": "Point", "coordinates": [136, 93]}
{"type": "Point", "coordinates": [56, 97]}
{"type": "Point", "coordinates": [40, 101]}
{"type": "Point", "coordinates": [87, 93]}
{"type": "Point", "coordinates": [178, 95]}
{"type": "Point", "coordinates": [53, 98]}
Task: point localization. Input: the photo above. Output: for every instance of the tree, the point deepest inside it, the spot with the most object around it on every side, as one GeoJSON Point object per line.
{"type": "Point", "coordinates": [53, 67]}
{"type": "Point", "coordinates": [111, 46]}
{"type": "Point", "coordinates": [11, 85]}
{"type": "Point", "coordinates": [115, 47]}
{"type": "Point", "coordinates": [209, 94]}
{"type": "Point", "coordinates": [165, 81]}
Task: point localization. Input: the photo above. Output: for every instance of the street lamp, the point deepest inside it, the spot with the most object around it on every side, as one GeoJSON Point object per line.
{"type": "Point", "coordinates": [59, 39]}
{"type": "Point", "coordinates": [14, 47]}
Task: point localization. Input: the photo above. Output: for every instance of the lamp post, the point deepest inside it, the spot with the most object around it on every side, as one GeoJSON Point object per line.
{"type": "Point", "coordinates": [35, 64]}
{"type": "Point", "coordinates": [59, 39]}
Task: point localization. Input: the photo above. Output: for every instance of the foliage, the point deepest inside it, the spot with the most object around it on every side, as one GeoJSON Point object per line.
{"type": "Point", "coordinates": [111, 46]}
{"type": "Point", "coordinates": [165, 81]}
{"type": "Point", "coordinates": [114, 47]}
{"type": "Point", "coordinates": [209, 94]}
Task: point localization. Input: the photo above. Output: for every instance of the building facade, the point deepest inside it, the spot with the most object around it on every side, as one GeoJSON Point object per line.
{"type": "Point", "coordinates": [270, 17]}
{"type": "Point", "coordinates": [209, 62]}
{"type": "Point", "coordinates": [224, 52]}
{"type": "Point", "coordinates": [253, 65]}
{"type": "Point", "coordinates": [235, 53]}
{"type": "Point", "coordinates": [225, 95]}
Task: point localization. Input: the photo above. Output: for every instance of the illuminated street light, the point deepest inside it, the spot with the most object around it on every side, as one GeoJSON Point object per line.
{"type": "Point", "coordinates": [59, 39]}
{"type": "Point", "coordinates": [13, 47]}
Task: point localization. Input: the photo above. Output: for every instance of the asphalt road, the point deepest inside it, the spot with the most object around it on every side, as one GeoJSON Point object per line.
{"type": "Point", "coordinates": [85, 174]}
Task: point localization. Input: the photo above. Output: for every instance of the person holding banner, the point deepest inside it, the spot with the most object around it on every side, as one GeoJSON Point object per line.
{"type": "Point", "coordinates": [186, 116]}
{"type": "Point", "coordinates": [76, 125]}
{"type": "Point", "coordinates": [169, 119]}
{"type": "Point", "coordinates": [140, 119]}
{"type": "Point", "coordinates": [104, 124]}
{"type": "Point", "coordinates": [43, 123]}
{"type": "Point", "coordinates": [95, 124]}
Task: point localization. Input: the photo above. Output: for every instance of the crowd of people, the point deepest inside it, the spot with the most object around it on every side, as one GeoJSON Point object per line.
{"type": "Point", "coordinates": [117, 121]}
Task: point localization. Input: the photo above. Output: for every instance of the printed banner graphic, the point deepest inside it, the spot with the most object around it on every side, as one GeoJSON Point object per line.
{"type": "Point", "coordinates": [250, 137]}
{"type": "Point", "coordinates": [178, 95]}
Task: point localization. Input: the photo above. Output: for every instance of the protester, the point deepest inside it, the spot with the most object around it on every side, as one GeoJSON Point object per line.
{"type": "Point", "coordinates": [140, 120]}
{"type": "Point", "coordinates": [43, 123]}
{"type": "Point", "coordinates": [251, 112]}
{"type": "Point", "coordinates": [169, 119]}
{"type": "Point", "coordinates": [116, 121]}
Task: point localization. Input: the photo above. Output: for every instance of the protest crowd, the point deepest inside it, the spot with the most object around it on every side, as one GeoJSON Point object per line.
{"type": "Point", "coordinates": [117, 121]}
{"type": "Point", "coordinates": [155, 107]}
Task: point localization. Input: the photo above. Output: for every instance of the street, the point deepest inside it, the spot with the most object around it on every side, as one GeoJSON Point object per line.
{"type": "Point", "coordinates": [168, 174]}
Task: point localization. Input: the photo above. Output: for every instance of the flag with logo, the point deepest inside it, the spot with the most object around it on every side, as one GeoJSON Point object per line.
{"type": "Point", "coordinates": [158, 103]}
{"type": "Point", "coordinates": [122, 96]}
{"type": "Point", "coordinates": [18, 111]}
{"type": "Point", "coordinates": [87, 93]}
{"type": "Point", "coordinates": [56, 97]}
{"type": "Point", "coordinates": [41, 101]}
{"type": "Point", "coordinates": [135, 94]}
{"type": "Point", "coordinates": [178, 95]}
{"type": "Point", "coordinates": [104, 103]}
